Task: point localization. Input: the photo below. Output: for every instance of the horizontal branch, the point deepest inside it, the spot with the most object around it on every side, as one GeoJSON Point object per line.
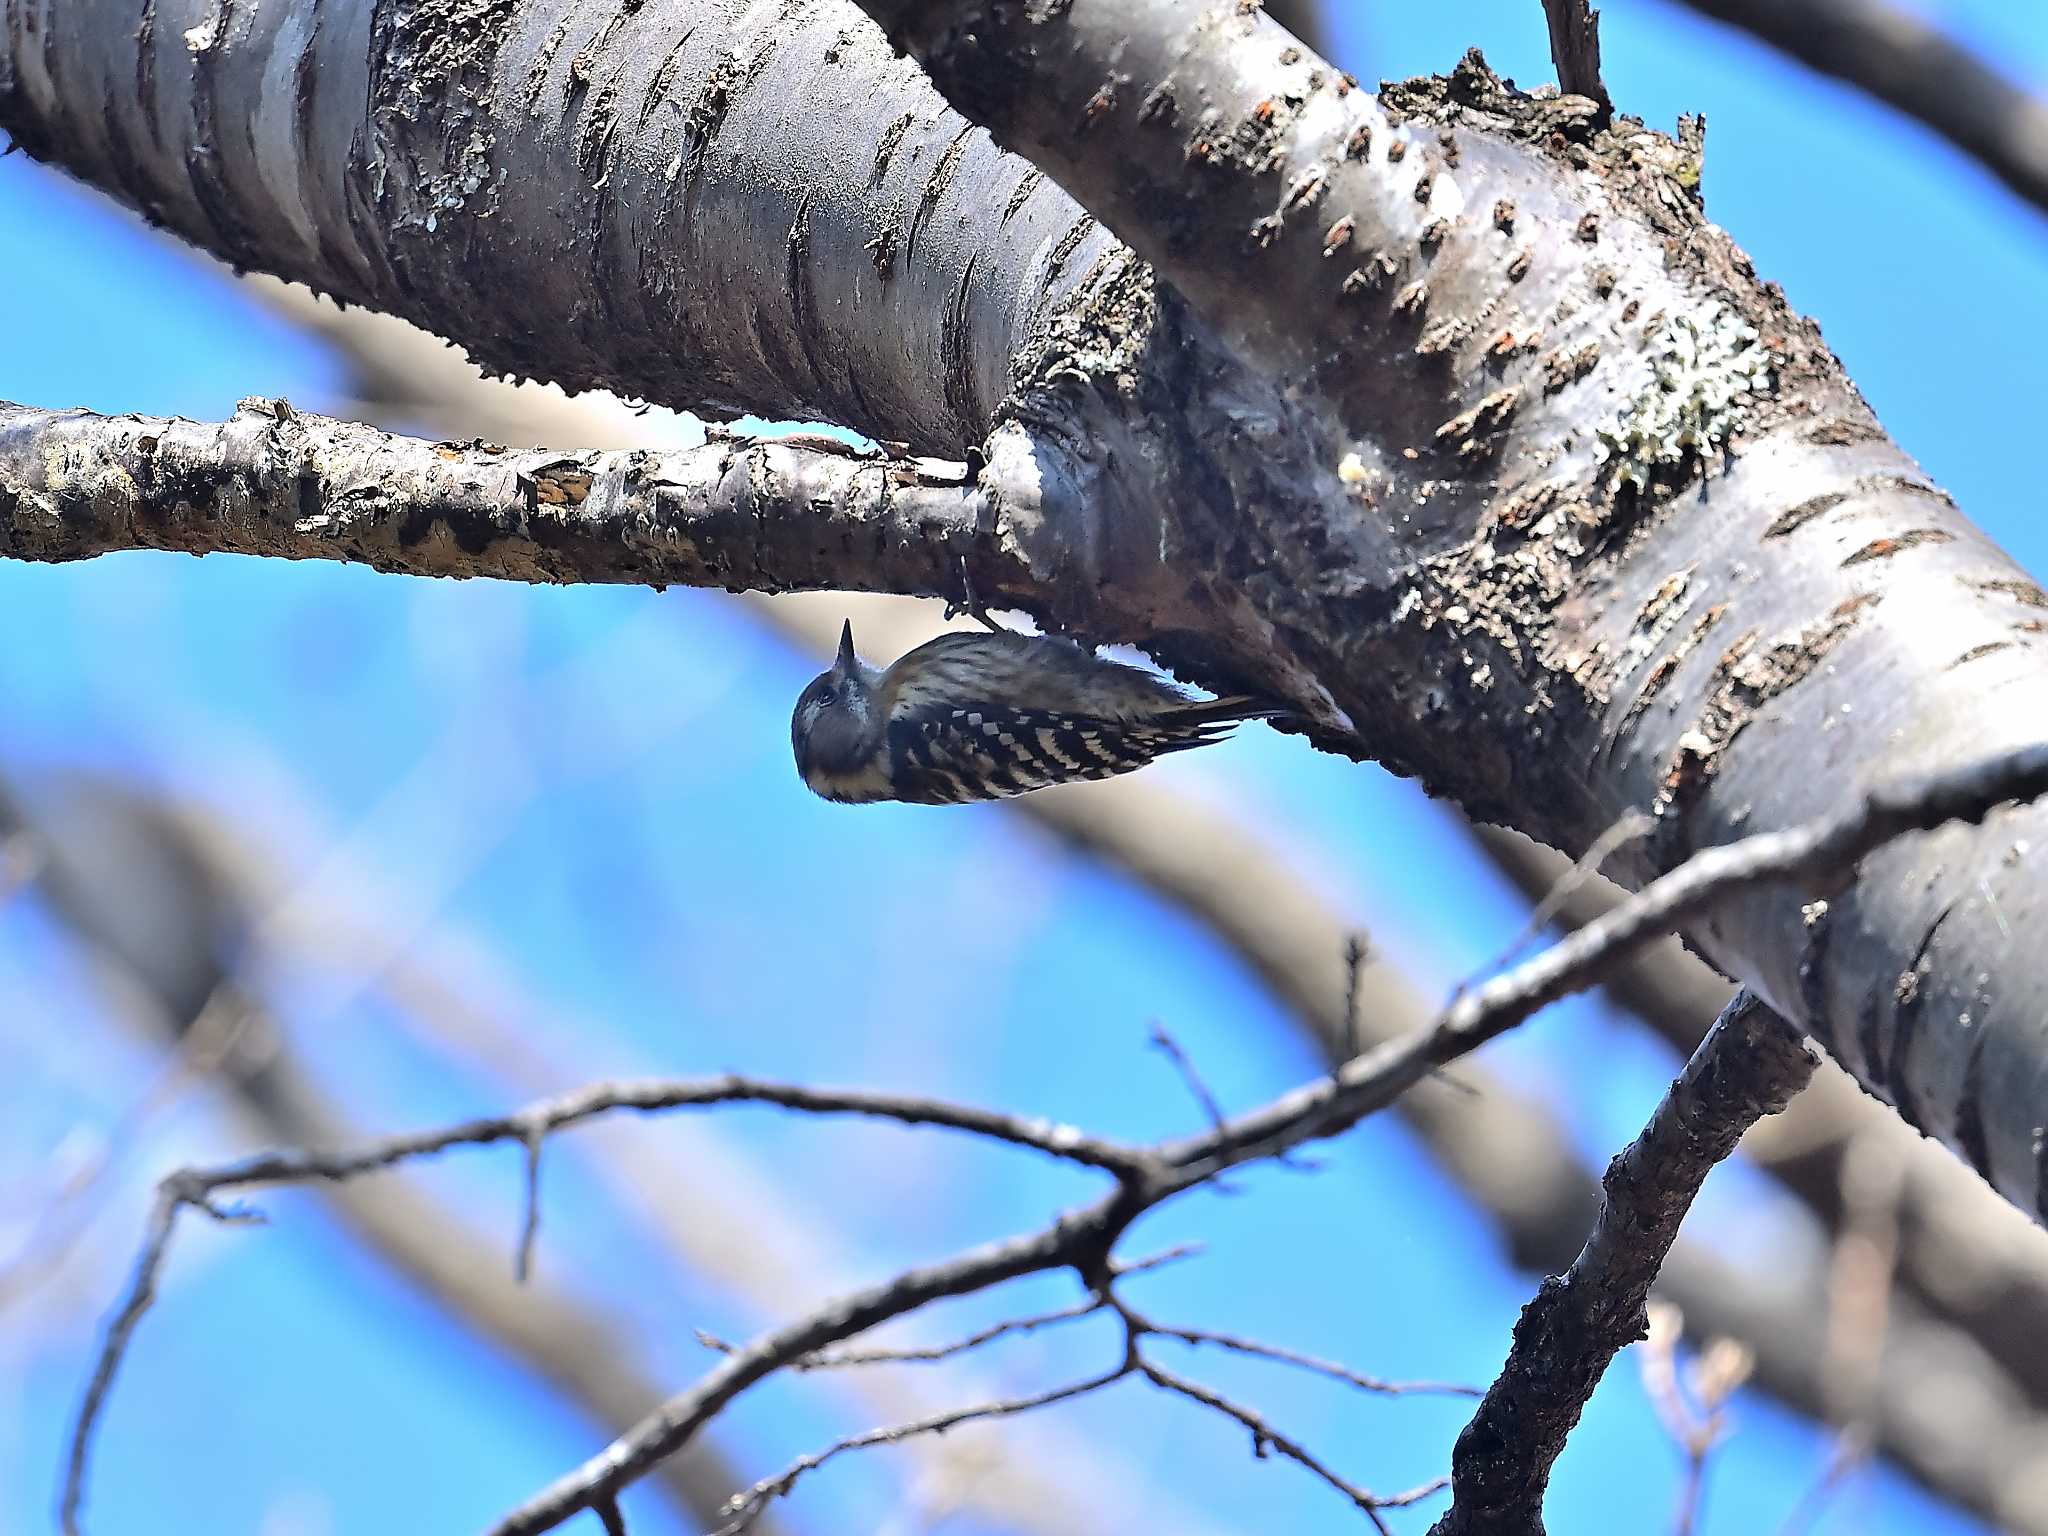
{"type": "Point", "coordinates": [1749, 1066]}
{"type": "Point", "coordinates": [569, 1109]}
{"type": "Point", "coordinates": [753, 513]}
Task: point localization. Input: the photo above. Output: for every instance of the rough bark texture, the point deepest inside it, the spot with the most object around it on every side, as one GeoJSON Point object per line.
{"type": "Point", "coordinates": [1750, 1065]}
{"type": "Point", "coordinates": [1632, 538]}
{"type": "Point", "coordinates": [1618, 532]}
{"type": "Point", "coordinates": [758, 514]}
{"type": "Point", "coordinates": [743, 204]}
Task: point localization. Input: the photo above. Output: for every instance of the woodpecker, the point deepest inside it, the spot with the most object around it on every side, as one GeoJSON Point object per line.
{"type": "Point", "coordinates": [985, 716]}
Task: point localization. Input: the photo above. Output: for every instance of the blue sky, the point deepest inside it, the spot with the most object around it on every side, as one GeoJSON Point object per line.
{"type": "Point", "coordinates": [584, 798]}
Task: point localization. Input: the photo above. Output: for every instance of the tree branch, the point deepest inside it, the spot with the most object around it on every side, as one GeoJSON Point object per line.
{"type": "Point", "coordinates": [1823, 853]}
{"type": "Point", "coordinates": [1750, 1065]}
{"type": "Point", "coordinates": [1913, 67]}
{"type": "Point", "coordinates": [1575, 49]}
{"type": "Point", "coordinates": [760, 513]}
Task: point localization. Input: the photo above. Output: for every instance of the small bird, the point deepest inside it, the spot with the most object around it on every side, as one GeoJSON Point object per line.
{"type": "Point", "coordinates": [984, 716]}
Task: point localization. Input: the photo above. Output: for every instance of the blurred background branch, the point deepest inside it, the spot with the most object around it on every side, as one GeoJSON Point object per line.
{"type": "Point", "coordinates": [1911, 63]}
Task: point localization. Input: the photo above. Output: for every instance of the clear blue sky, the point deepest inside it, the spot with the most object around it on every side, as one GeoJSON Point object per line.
{"type": "Point", "coordinates": [589, 791]}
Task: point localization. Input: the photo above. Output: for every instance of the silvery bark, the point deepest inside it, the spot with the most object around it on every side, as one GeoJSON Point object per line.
{"type": "Point", "coordinates": [1510, 459]}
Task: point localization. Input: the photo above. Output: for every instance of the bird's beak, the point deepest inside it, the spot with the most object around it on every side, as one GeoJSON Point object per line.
{"type": "Point", "coordinates": [848, 665]}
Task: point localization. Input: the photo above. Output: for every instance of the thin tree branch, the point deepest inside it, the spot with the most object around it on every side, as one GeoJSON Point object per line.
{"type": "Point", "coordinates": [569, 1109]}
{"type": "Point", "coordinates": [1575, 48]}
{"type": "Point", "coordinates": [762, 513]}
{"type": "Point", "coordinates": [1824, 852]}
{"type": "Point", "coordinates": [746, 1508]}
{"type": "Point", "coordinates": [1914, 67]}
{"type": "Point", "coordinates": [1750, 1065]}
{"type": "Point", "coordinates": [1267, 1439]}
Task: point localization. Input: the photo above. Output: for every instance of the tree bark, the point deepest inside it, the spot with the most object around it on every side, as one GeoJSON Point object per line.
{"type": "Point", "coordinates": [1529, 482]}
{"type": "Point", "coordinates": [1711, 585]}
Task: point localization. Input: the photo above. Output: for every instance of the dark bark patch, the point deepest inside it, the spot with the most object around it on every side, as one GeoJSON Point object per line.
{"type": "Point", "coordinates": [1970, 1138]}
{"type": "Point", "coordinates": [935, 187]}
{"type": "Point", "coordinates": [1909, 995]}
{"type": "Point", "coordinates": [1884, 549]}
{"type": "Point", "coordinates": [1027, 184]}
{"type": "Point", "coordinates": [2017, 588]}
{"type": "Point", "coordinates": [1562, 368]}
{"type": "Point", "coordinates": [1978, 652]}
{"type": "Point", "coordinates": [1903, 485]}
{"type": "Point", "coordinates": [1804, 513]}
{"type": "Point", "coordinates": [1844, 432]}
{"type": "Point", "coordinates": [1745, 679]}
{"type": "Point", "coordinates": [885, 147]}
{"type": "Point", "coordinates": [1667, 666]}
{"type": "Point", "coordinates": [1067, 244]}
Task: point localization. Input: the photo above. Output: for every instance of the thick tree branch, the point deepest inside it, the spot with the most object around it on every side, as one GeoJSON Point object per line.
{"type": "Point", "coordinates": [673, 230]}
{"type": "Point", "coordinates": [1613, 451]}
{"type": "Point", "coordinates": [1914, 67]}
{"type": "Point", "coordinates": [1462, 507]}
{"type": "Point", "coordinates": [1749, 1066]}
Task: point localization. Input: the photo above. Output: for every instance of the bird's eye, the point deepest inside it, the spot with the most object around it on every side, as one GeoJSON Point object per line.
{"type": "Point", "coordinates": [825, 695]}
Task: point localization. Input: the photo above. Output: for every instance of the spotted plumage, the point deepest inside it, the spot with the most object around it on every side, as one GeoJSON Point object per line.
{"type": "Point", "coordinates": [985, 716]}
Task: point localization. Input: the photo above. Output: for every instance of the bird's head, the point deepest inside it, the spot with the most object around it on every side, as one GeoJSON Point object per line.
{"type": "Point", "coordinates": [836, 728]}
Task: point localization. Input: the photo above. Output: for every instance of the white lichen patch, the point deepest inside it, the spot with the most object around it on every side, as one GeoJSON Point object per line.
{"type": "Point", "coordinates": [1705, 367]}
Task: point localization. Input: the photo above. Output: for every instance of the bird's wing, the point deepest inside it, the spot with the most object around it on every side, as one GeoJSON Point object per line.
{"type": "Point", "coordinates": [957, 753]}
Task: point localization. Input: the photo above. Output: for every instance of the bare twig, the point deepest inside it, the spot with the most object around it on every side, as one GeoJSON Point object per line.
{"type": "Point", "coordinates": [1357, 951]}
{"type": "Point", "coordinates": [1575, 47]}
{"type": "Point", "coordinates": [1236, 1344]}
{"type": "Point", "coordinates": [1266, 1440]}
{"type": "Point", "coordinates": [746, 1507]}
{"type": "Point", "coordinates": [529, 1227]}
{"type": "Point", "coordinates": [837, 1359]}
{"type": "Point", "coordinates": [1190, 1075]}
{"type": "Point", "coordinates": [1624, 831]}
{"type": "Point", "coordinates": [1749, 1066]}
{"type": "Point", "coordinates": [569, 1109]}
{"type": "Point", "coordinates": [1695, 1430]}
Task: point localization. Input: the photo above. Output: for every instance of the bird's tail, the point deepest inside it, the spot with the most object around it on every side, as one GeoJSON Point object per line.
{"type": "Point", "coordinates": [1228, 711]}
